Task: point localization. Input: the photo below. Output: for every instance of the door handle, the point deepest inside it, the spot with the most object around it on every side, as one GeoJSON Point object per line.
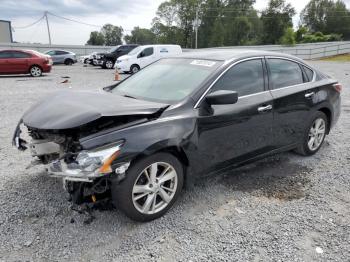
{"type": "Point", "coordinates": [309, 95]}
{"type": "Point", "coordinates": [263, 109]}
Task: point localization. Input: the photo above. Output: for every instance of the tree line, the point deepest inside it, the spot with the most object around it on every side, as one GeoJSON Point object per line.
{"type": "Point", "coordinates": [234, 22]}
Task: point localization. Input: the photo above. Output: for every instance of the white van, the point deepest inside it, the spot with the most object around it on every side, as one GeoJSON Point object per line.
{"type": "Point", "coordinates": [142, 56]}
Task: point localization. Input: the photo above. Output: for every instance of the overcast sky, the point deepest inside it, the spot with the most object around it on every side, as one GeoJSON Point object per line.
{"type": "Point", "coordinates": [98, 12]}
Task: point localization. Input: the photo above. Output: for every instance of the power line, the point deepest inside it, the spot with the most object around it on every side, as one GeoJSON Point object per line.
{"type": "Point", "coordinates": [73, 20]}
{"type": "Point", "coordinates": [34, 23]}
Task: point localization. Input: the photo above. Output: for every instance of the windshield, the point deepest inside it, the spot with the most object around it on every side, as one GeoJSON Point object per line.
{"type": "Point", "coordinates": [168, 80]}
{"type": "Point", "coordinates": [135, 51]}
{"type": "Point", "coordinates": [113, 49]}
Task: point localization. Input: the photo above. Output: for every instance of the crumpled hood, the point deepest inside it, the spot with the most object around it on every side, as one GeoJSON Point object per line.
{"type": "Point", "coordinates": [70, 109]}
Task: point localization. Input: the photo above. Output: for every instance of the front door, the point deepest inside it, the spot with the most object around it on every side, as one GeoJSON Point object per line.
{"type": "Point", "coordinates": [146, 57]}
{"type": "Point", "coordinates": [237, 132]}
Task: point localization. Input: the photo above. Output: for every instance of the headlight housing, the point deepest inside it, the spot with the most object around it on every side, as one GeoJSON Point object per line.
{"type": "Point", "coordinates": [99, 160]}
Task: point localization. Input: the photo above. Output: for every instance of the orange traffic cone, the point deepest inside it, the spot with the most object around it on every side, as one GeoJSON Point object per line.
{"type": "Point", "coordinates": [116, 76]}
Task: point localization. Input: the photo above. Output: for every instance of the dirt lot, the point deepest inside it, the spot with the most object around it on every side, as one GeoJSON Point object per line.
{"type": "Point", "coordinates": [284, 208]}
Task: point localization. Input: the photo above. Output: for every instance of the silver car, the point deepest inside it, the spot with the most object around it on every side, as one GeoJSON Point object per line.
{"type": "Point", "coordinates": [62, 57]}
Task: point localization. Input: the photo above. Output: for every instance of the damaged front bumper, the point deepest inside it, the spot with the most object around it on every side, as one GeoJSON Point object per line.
{"type": "Point", "coordinates": [83, 166]}
{"type": "Point", "coordinates": [75, 174]}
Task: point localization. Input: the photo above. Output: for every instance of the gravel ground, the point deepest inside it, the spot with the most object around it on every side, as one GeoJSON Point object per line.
{"type": "Point", "coordinates": [283, 208]}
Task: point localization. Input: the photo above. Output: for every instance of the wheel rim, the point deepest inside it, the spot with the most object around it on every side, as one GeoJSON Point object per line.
{"type": "Point", "coordinates": [35, 71]}
{"type": "Point", "coordinates": [154, 188]}
{"type": "Point", "coordinates": [135, 69]}
{"type": "Point", "coordinates": [109, 64]}
{"type": "Point", "coordinates": [316, 134]}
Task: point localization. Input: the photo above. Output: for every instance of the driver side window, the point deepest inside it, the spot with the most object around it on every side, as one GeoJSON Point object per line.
{"type": "Point", "coordinates": [245, 78]}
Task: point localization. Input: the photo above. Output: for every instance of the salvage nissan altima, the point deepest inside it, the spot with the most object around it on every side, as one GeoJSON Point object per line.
{"type": "Point", "coordinates": [139, 141]}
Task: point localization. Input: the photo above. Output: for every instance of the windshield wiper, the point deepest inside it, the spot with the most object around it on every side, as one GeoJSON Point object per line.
{"type": "Point", "coordinates": [130, 96]}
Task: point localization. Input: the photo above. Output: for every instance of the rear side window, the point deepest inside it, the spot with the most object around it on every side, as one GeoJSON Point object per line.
{"type": "Point", "coordinates": [309, 73]}
{"type": "Point", "coordinates": [6, 54]}
{"type": "Point", "coordinates": [21, 55]}
{"type": "Point", "coordinates": [61, 53]}
{"type": "Point", "coordinates": [245, 78]}
{"type": "Point", "coordinates": [284, 73]}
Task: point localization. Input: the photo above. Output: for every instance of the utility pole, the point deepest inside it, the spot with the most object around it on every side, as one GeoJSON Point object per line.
{"type": "Point", "coordinates": [48, 27]}
{"type": "Point", "coordinates": [196, 28]}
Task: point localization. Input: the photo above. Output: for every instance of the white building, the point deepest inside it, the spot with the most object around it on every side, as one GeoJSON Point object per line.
{"type": "Point", "coordinates": [5, 32]}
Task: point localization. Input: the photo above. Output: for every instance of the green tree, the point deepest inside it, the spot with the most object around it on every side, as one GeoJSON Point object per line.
{"type": "Point", "coordinates": [276, 18]}
{"type": "Point", "coordinates": [112, 34]}
{"type": "Point", "coordinates": [140, 36]}
{"type": "Point", "coordinates": [300, 33]}
{"type": "Point", "coordinates": [210, 12]}
{"type": "Point", "coordinates": [327, 16]}
{"type": "Point", "coordinates": [96, 38]}
{"type": "Point", "coordinates": [217, 34]}
{"type": "Point", "coordinates": [288, 38]}
{"type": "Point", "coordinates": [241, 22]}
{"type": "Point", "coordinates": [174, 16]}
{"type": "Point", "coordinates": [167, 34]}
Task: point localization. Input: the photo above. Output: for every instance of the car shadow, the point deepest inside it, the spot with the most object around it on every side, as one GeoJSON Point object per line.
{"type": "Point", "coordinates": [275, 177]}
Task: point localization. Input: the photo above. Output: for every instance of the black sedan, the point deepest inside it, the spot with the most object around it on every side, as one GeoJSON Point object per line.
{"type": "Point", "coordinates": [139, 141]}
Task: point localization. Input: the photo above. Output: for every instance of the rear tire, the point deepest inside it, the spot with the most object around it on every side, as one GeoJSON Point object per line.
{"type": "Point", "coordinates": [35, 71]}
{"type": "Point", "coordinates": [134, 69]}
{"type": "Point", "coordinates": [151, 187]}
{"type": "Point", "coordinates": [109, 64]}
{"type": "Point", "coordinates": [68, 61]}
{"type": "Point", "coordinates": [314, 136]}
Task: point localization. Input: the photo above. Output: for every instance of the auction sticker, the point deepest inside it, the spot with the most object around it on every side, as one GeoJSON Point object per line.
{"type": "Point", "coordinates": [203, 63]}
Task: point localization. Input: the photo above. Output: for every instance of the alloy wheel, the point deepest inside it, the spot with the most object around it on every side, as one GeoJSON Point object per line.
{"type": "Point", "coordinates": [316, 134]}
{"type": "Point", "coordinates": [135, 69]}
{"type": "Point", "coordinates": [154, 188]}
{"type": "Point", "coordinates": [109, 64]}
{"type": "Point", "coordinates": [35, 71]}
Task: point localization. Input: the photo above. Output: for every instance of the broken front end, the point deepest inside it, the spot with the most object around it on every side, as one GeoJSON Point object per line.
{"type": "Point", "coordinates": [87, 174]}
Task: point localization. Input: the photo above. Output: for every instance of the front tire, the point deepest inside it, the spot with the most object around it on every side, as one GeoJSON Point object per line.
{"type": "Point", "coordinates": [35, 71]}
{"type": "Point", "coordinates": [151, 187]}
{"type": "Point", "coordinates": [134, 69]}
{"type": "Point", "coordinates": [314, 135]}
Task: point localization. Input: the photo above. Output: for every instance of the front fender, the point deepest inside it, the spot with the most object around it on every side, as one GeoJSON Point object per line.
{"type": "Point", "coordinates": [147, 138]}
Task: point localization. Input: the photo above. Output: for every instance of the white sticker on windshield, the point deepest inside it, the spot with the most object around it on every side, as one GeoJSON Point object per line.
{"type": "Point", "coordinates": [203, 63]}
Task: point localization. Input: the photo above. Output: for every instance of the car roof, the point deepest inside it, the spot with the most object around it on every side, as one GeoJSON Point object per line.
{"type": "Point", "coordinates": [232, 54]}
{"type": "Point", "coordinates": [17, 50]}
{"type": "Point", "coordinates": [145, 46]}
{"type": "Point", "coordinates": [58, 50]}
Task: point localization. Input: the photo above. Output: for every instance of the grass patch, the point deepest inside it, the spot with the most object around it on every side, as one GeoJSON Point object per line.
{"type": "Point", "coordinates": [338, 58]}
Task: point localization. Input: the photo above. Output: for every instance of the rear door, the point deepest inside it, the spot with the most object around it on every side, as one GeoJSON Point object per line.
{"type": "Point", "coordinates": [294, 98]}
{"type": "Point", "coordinates": [237, 132]}
{"type": "Point", "coordinates": [60, 56]}
{"type": "Point", "coordinates": [20, 62]}
{"type": "Point", "coordinates": [5, 57]}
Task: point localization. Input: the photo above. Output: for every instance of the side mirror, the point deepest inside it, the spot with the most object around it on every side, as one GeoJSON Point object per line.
{"type": "Point", "coordinates": [222, 97]}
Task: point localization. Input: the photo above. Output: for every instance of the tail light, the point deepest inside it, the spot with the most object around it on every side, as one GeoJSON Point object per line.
{"type": "Point", "coordinates": [338, 87]}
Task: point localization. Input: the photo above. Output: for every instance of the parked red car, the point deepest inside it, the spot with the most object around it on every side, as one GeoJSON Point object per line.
{"type": "Point", "coordinates": [24, 62]}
